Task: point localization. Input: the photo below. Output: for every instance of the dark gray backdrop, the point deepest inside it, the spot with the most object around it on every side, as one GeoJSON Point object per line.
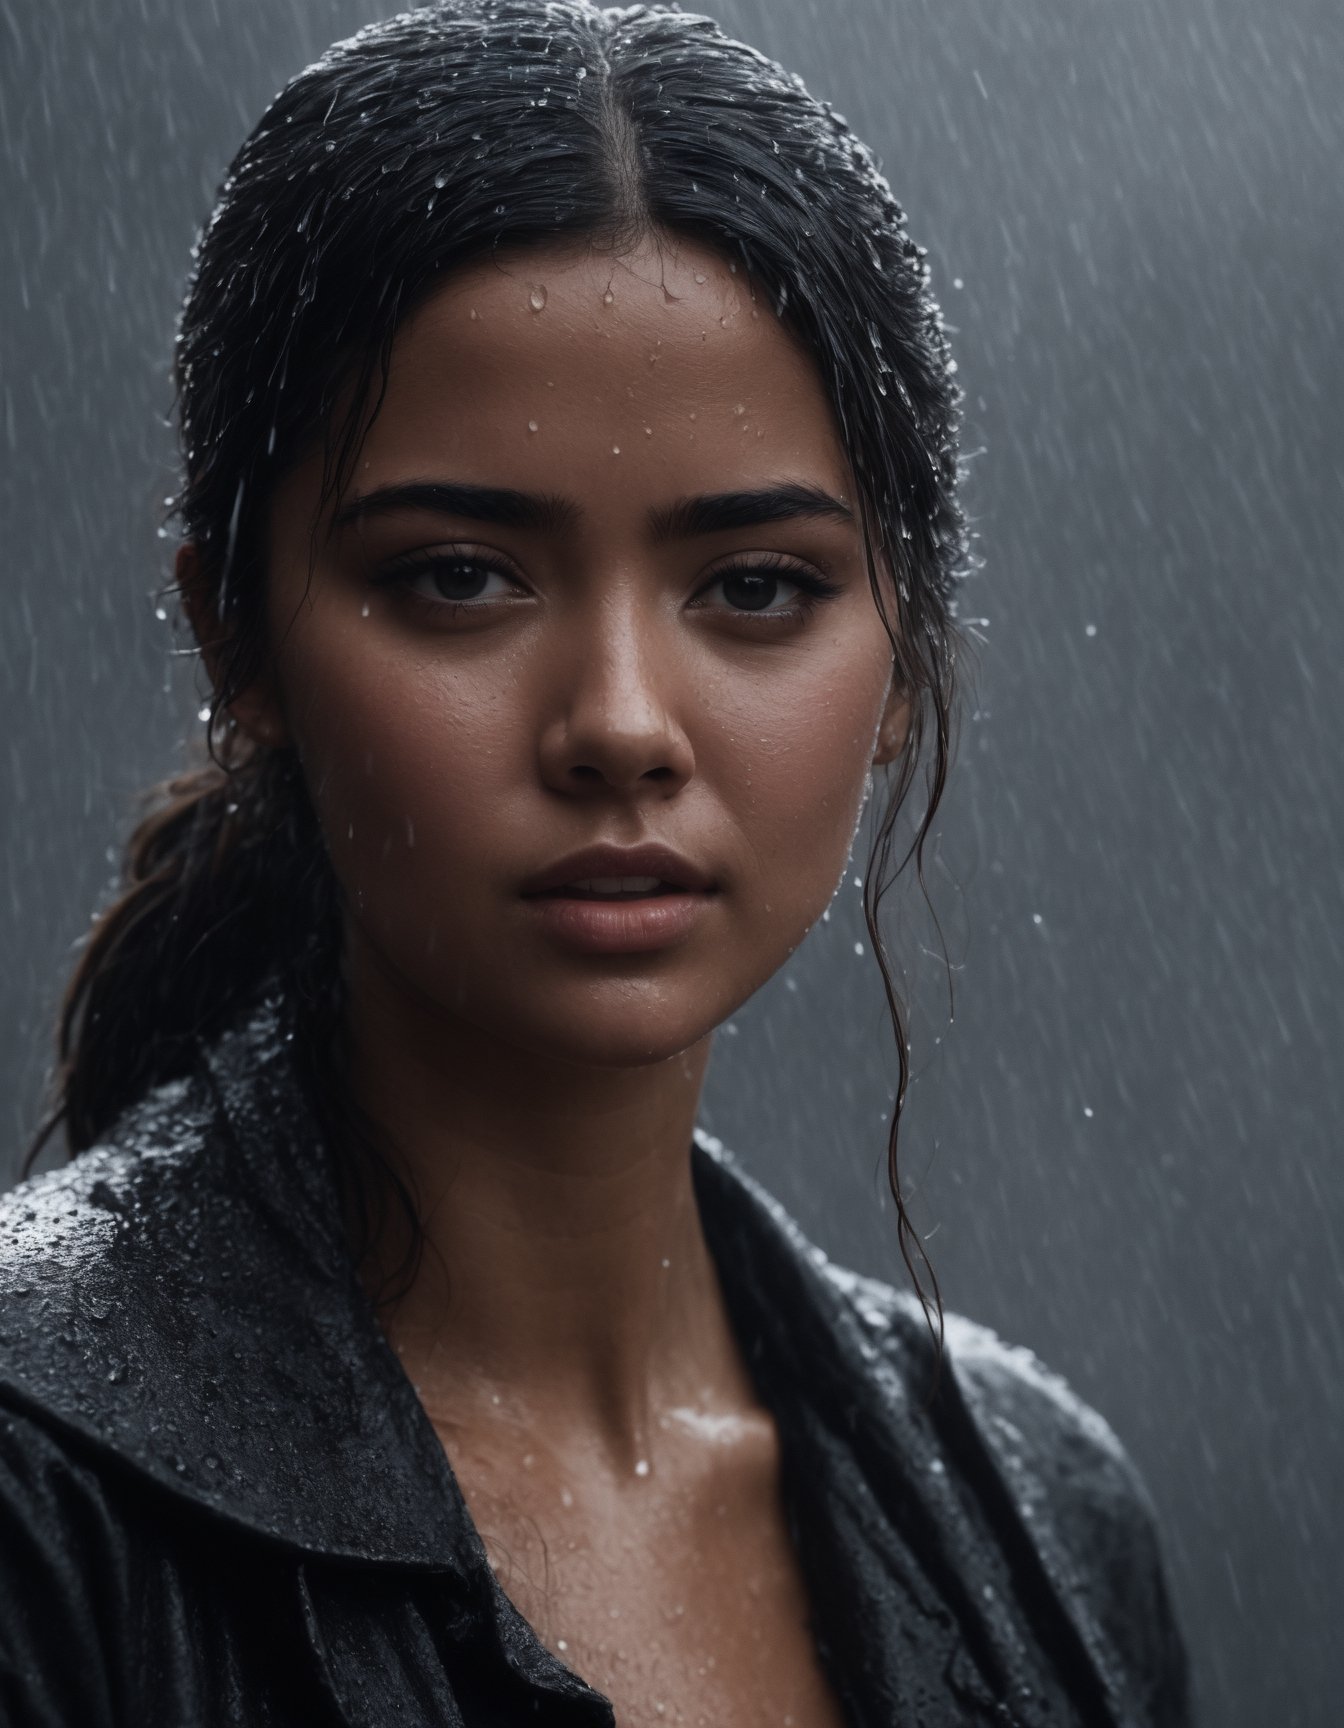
{"type": "Point", "coordinates": [1126, 1140]}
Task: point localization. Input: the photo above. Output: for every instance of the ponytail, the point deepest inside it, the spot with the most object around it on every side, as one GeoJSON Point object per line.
{"type": "Point", "coordinates": [224, 879]}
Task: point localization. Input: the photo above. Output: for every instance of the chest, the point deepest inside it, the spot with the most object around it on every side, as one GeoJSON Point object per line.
{"type": "Point", "coordinates": [686, 1610]}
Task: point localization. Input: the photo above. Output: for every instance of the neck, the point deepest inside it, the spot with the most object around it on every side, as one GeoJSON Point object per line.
{"type": "Point", "coordinates": [565, 1283]}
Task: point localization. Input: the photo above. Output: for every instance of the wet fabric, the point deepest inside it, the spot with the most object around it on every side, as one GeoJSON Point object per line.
{"type": "Point", "coordinates": [222, 1502]}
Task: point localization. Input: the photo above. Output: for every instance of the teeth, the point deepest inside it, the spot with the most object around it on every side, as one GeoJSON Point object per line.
{"type": "Point", "coordinates": [617, 884]}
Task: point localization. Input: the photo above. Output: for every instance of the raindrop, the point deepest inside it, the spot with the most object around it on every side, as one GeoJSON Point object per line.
{"type": "Point", "coordinates": [1088, 1112]}
{"type": "Point", "coordinates": [537, 298]}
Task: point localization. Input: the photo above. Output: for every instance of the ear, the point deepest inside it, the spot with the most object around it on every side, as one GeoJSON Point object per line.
{"type": "Point", "coordinates": [257, 709]}
{"type": "Point", "coordinates": [893, 734]}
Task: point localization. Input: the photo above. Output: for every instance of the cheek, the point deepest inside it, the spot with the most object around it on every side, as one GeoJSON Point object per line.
{"type": "Point", "coordinates": [405, 767]}
{"type": "Point", "coordinates": [793, 766]}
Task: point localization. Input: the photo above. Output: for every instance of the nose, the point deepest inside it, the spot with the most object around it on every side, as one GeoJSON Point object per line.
{"type": "Point", "coordinates": [614, 724]}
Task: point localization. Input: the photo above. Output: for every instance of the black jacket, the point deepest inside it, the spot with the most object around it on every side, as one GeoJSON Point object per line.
{"type": "Point", "coordinates": [221, 1500]}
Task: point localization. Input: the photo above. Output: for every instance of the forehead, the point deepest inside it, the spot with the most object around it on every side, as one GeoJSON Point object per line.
{"type": "Point", "coordinates": [608, 378]}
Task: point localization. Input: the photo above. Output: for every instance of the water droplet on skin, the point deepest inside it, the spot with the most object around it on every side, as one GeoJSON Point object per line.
{"type": "Point", "coordinates": [858, 947]}
{"type": "Point", "coordinates": [699, 277]}
{"type": "Point", "coordinates": [532, 426]}
{"type": "Point", "coordinates": [1088, 629]}
{"type": "Point", "coordinates": [537, 299]}
{"type": "Point", "coordinates": [566, 1498]}
{"type": "Point", "coordinates": [364, 610]}
{"type": "Point", "coordinates": [529, 1459]}
{"type": "Point", "coordinates": [615, 449]}
{"type": "Point", "coordinates": [741, 408]}
{"type": "Point", "coordinates": [641, 1469]}
{"type": "Point", "coordinates": [1036, 918]}
{"type": "Point", "coordinates": [474, 313]}
{"type": "Point", "coordinates": [203, 713]}
{"type": "Point", "coordinates": [608, 297]}
{"type": "Point", "coordinates": [648, 431]}
{"type": "Point", "coordinates": [561, 1644]}
{"type": "Point", "coordinates": [666, 1262]}
{"type": "Point", "coordinates": [1088, 1112]}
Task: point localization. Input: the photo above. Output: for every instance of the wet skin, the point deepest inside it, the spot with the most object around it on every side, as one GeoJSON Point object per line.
{"type": "Point", "coordinates": [473, 699]}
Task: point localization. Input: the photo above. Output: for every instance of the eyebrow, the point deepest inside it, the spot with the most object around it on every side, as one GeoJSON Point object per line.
{"type": "Point", "coordinates": [684, 519]}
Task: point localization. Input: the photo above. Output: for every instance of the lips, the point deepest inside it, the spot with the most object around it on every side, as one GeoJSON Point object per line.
{"type": "Point", "coordinates": [607, 872]}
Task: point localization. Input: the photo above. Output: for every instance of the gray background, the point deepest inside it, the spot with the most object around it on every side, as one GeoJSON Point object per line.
{"type": "Point", "coordinates": [1125, 1142]}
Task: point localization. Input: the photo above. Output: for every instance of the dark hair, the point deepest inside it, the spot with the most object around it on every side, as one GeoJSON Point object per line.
{"type": "Point", "coordinates": [416, 146]}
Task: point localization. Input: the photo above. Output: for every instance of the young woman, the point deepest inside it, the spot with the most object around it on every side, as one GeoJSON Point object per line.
{"type": "Point", "coordinates": [570, 535]}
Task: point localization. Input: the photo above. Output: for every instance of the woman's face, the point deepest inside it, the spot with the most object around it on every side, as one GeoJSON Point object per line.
{"type": "Point", "coordinates": [597, 580]}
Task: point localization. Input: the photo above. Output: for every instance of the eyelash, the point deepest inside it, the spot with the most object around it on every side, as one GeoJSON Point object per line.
{"type": "Point", "coordinates": [813, 588]}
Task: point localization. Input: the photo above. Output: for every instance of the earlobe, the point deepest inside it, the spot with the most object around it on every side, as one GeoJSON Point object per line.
{"type": "Point", "coordinates": [894, 732]}
{"type": "Point", "coordinates": [256, 710]}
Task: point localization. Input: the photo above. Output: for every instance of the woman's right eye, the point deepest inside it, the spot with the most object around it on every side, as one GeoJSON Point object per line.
{"type": "Point", "coordinates": [456, 579]}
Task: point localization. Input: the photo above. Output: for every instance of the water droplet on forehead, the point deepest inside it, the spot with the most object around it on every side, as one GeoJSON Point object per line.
{"type": "Point", "coordinates": [537, 299]}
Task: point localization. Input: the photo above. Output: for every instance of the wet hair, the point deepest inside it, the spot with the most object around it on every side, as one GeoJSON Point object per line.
{"type": "Point", "coordinates": [422, 144]}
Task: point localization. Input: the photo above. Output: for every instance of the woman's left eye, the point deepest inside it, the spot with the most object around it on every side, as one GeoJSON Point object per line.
{"type": "Point", "coordinates": [756, 589]}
